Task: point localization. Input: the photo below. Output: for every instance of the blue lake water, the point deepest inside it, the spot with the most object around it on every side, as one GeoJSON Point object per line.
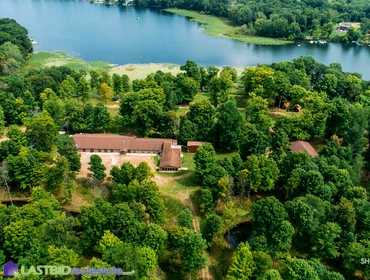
{"type": "Point", "coordinates": [129, 35]}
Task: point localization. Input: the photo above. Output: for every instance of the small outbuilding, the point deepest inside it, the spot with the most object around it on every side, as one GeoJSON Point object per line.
{"type": "Point", "coordinates": [170, 157]}
{"type": "Point", "coordinates": [303, 147]}
{"type": "Point", "coordinates": [192, 146]}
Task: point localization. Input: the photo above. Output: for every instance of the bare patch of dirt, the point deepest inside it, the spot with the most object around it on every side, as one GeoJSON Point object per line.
{"type": "Point", "coordinates": [141, 71]}
{"type": "Point", "coordinates": [77, 201]}
{"type": "Point", "coordinates": [114, 159]}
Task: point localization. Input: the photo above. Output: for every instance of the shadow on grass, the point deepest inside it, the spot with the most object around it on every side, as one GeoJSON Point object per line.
{"type": "Point", "coordinates": [173, 206]}
{"type": "Point", "coordinates": [188, 180]}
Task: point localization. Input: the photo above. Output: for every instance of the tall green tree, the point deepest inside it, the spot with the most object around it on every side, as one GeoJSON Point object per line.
{"type": "Point", "coordinates": [68, 88]}
{"type": "Point", "coordinates": [219, 88]}
{"type": "Point", "coordinates": [299, 269]}
{"type": "Point", "coordinates": [41, 132]}
{"type": "Point", "coordinates": [187, 248]}
{"type": "Point", "coordinates": [242, 264]}
{"type": "Point", "coordinates": [13, 32]}
{"type": "Point", "coordinates": [262, 173]}
{"type": "Point", "coordinates": [228, 126]}
{"type": "Point", "coordinates": [198, 123]}
{"type": "Point", "coordinates": [11, 58]}
{"type": "Point", "coordinates": [97, 168]}
{"type": "Point", "coordinates": [67, 148]}
{"type": "Point", "coordinates": [212, 224]}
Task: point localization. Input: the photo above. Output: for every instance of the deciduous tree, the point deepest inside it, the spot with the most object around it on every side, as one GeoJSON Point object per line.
{"type": "Point", "coordinates": [242, 264]}
{"type": "Point", "coordinates": [97, 168]}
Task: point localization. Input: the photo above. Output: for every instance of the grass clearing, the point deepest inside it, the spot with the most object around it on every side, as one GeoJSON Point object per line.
{"type": "Point", "coordinates": [182, 184]}
{"type": "Point", "coordinates": [141, 71]}
{"type": "Point", "coordinates": [49, 59]}
{"type": "Point", "coordinates": [112, 106]}
{"type": "Point", "coordinates": [216, 26]}
{"type": "Point", "coordinates": [225, 155]}
{"type": "Point", "coordinates": [85, 193]}
{"type": "Point", "coordinates": [173, 209]}
{"type": "Point", "coordinates": [133, 71]}
{"type": "Point", "coordinates": [177, 185]}
{"type": "Point", "coordinates": [187, 161]}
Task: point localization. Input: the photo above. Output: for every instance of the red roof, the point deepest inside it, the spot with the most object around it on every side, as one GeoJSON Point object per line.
{"type": "Point", "coordinates": [100, 141]}
{"type": "Point", "coordinates": [195, 143]}
{"type": "Point", "coordinates": [171, 156]}
{"type": "Point", "coordinates": [170, 152]}
{"type": "Point", "coordinates": [119, 142]}
{"type": "Point", "coordinates": [303, 146]}
{"type": "Point", "coordinates": [148, 144]}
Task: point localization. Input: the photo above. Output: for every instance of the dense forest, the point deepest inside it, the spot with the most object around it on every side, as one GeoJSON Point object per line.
{"type": "Point", "coordinates": [308, 217]}
{"type": "Point", "coordinates": [294, 20]}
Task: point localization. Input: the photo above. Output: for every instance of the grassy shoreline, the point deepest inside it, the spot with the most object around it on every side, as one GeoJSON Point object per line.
{"type": "Point", "coordinates": [133, 71]}
{"type": "Point", "coordinates": [58, 58]}
{"type": "Point", "coordinates": [220, 27]}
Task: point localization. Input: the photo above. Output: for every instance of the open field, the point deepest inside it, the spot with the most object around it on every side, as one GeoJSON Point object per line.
{"type": "Point", "coordinates": [49, 59]}
{"type": "Point", "coordinates": [178, 186]}
{"type": "Point", "coordinates": [216, 26]}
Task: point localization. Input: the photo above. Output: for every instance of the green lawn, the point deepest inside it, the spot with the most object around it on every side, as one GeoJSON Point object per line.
{"type": "Point", "coordinates": [216, 26]}
{"type": "Point", "coordinates": [173, 208]}
{"type": "Point", "coordinates": [134, 71]}
{"type": "Point", "coordinates": [49, 59]}
{"type": "Point", "coordinates": [225, 155]}
{"type": "Point", "coordinates": [112, 106]}
{"type": "Point", "coordinates": [187, 161]}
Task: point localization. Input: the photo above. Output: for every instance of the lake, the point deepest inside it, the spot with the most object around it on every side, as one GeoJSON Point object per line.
{"type": "Point", "coordinates": [128, 35]}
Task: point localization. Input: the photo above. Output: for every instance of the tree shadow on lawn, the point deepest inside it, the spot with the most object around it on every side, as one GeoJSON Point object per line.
{"type": "Point", "coordinates": [188, 180]}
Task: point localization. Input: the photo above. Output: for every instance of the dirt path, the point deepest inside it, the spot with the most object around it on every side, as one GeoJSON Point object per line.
{"type": "Point", "coordinates": [171, 186]}
{"type": "Point", "coordinates": [204, 273]}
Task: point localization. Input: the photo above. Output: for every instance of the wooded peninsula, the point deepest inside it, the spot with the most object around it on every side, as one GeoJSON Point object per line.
{"type": "Point", "coordinates": [310, 20]}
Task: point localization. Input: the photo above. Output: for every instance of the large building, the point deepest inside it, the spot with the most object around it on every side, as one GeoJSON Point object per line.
{"type": "Point", "coordinates": [169, 151]}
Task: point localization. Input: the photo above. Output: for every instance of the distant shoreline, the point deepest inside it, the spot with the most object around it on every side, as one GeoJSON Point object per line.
{"type": "Point", "coordinates": [219, 27]}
